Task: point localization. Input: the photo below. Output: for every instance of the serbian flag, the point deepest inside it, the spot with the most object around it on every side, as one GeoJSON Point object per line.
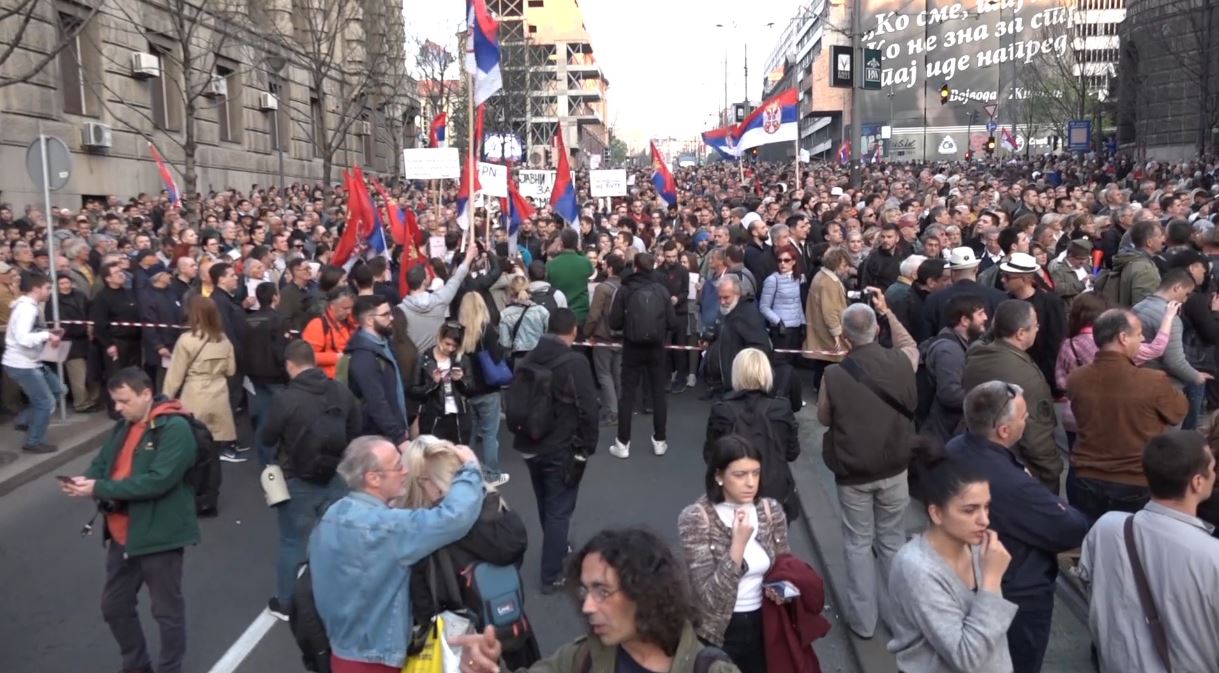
{"type": "Point", "coordinates": [478, 130]}
{"type": "Point", "coordinates": [482, 51]}
{"type": "Point", "coordinates": [723, 141]}
{"type": "Point", "coordinates": [775, 121]}
{"type": "Point", "coordinates": [464, 216]}
{"type": "Point", "coordinates": [662, 179]}
{"type": "Point", "coordinates": [436, 137]}
{"type": "Point", "coordinates": [1009, 140]}
{"type": "Point", "coordinates": [515, 209]}
{"type": "Point", "coordinates": [844, 153]}
{"type": "Point", "coordinates": [563, 195]}
{"type": "Point", "coordinates": [167, 178]}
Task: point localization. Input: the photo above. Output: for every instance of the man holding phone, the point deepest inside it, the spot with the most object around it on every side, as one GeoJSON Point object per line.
{"type": "Point", "coordinates": [24, 340]}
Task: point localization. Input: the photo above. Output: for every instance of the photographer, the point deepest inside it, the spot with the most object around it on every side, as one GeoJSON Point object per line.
{"type": "Point", "coordinates": [867, 402]}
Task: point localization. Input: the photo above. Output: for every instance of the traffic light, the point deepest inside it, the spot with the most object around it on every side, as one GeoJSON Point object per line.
{"type": "Point", "coordinates": [969, 156]}
{"type": "Point", "coordinates": [944, 94]}
{"type": "Point", "coordinates": [990, 145]}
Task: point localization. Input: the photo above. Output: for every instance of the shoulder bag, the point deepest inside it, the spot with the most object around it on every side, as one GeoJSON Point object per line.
{"type": "Point", "coordinates": [1150, 614]}
{"type": "Point", "coordinates": [851, 367]}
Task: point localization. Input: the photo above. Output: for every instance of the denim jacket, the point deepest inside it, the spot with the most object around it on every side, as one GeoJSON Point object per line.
{"type": "Point", "coordinates": [360, 557]}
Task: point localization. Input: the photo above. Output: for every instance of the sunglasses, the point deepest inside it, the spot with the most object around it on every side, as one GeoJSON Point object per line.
{"type": "Point", "coordinates": [786, 260]}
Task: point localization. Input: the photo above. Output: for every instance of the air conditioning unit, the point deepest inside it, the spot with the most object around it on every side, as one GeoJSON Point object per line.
{"type": "Point", "coordinates": [267, 101]}
{"type": "Point", "coordinates": [145, 65]}
{"type": "Point", "coordinates": [218, 87]}
{"type": "Point", "coordinates": [539, 158]}
{"type": "Point", "coordinates": [95, 135]}
{"type": "Point", "coordinates": [361, 128]}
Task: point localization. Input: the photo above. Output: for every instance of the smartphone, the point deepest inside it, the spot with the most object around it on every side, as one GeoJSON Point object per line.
{"type": "Point", "coordinates": [65, 479]}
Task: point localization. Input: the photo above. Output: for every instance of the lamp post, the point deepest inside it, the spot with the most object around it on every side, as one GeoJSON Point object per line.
{"type": "Point", "coordinates": [276, 65]}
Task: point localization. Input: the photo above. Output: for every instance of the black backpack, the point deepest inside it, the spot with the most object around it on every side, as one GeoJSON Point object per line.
{"type": "Point", "coordinates": [545, 298]}
{"type": "Point", "coordinates": [205, 475]}
{"type": "Point", "coordinates": [319, 447]}
{"type": "Point", "coordinates": [647, 314]}
{"type": "Point", "coordinates": [530, 405]}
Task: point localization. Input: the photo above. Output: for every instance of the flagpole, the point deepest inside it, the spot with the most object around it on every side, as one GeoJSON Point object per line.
{"type": "Point", "coordinates": [470, 167]}
{"type": "Point", "coordinates": [797, 159]}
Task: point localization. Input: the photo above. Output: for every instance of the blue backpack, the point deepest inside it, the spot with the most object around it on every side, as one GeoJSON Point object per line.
{"type": "Point", "coordinates": [495, 596]}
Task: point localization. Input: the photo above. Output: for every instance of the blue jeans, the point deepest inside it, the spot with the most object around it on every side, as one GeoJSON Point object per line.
{"type": "Point", "coordinates": [263, 394]}
{"type": "Point", "coordinates": [556, 504]}
{"type": "Point", "coordinates": [1094, 497]}
{"type": "Point", "coordinates": [42, 386]}
{"type": "Point", "coordinates": [486, 429]}
{"type": "Point", "coordinates": [1195, 393]}
{"type": "Point", "coordinates": [297, 517]}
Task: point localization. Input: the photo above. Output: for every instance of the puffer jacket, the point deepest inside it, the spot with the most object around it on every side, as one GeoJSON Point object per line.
{"type": "Point", "coordinates": [780, 301]}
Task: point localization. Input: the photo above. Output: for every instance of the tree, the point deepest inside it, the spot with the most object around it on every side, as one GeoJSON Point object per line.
{"type": "Point", "coordinates": [15, 24]}
{"type": "Point", "coordinates": [434, 65]}
{"type": "Point", "coordinates": [618, 151]}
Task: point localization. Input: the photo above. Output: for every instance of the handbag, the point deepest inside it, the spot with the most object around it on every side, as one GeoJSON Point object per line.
{"type": "Point", "coordinates": [496, 374]}
{"type": "Point", "coordinates": [1150, 613]}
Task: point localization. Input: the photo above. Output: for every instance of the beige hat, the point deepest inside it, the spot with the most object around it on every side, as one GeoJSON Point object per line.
{"type": "Point", "coordinates": [962, 258]}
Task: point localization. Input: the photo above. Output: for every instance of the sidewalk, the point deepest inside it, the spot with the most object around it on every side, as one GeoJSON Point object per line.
{"type": "Point", "coordinates": [1068, 651]}
{"type": "Point", "coordinates": [76, 436]}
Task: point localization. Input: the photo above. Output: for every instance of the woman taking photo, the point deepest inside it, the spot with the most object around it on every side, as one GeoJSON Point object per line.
{"type": "Point", "coordinates": [731, 537]}
{"type": "Point", "coordinates": [753, 411]}
{"type": "Point", "coordinates": [498, 537]}
{"type": "Point", "coordinates": [441, 387]}
{"type": "Point", "coordinates": [199, 367]}
{"type": "Point", "coordinates": [949, 615]}
{"type": "Point", "coordinates": [481, 336]}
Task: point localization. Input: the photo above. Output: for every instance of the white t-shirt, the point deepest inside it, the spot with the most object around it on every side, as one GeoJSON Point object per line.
{"type": "Point", "coordinates": [749, 591]}
{"type": "Point", "coordinates": [450, 402]}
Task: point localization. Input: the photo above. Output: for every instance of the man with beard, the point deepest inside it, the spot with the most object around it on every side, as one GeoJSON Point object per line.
{"type": "Point", "coordinates": [676, 279]}
{"type": "Point", "coordinates": [373, 374]}
{"type": "Point", "coordinates": [944, 360]}
{"type": "Point", "coordinates": [883, 266]}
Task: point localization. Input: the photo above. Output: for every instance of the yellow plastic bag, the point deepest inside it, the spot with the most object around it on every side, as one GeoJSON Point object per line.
{"type": "Point", "coordinates": [432, 658]}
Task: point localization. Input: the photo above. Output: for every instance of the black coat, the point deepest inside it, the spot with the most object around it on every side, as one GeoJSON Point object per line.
{"type": "Point", "coordinates": [781, 445]}
{"type": "Point", "coordinates": [160, 307]}
{"type": "Point", "coordinates": [373, 377]}
{"type": "Point", "coordinates": [676, 279]}
{"type": "Point", "coordinates": [575, 427]}
{"type": "Point", "coordinates": [482, 285]}
{"type": "Point", "coordinates": [430, 394]}
{"type": "Point", "coordinates": [266, 338]}
{"type": "Point", "coordinates": [881, 269]}
{"type": "Point", "coordinates": [73, 306]}
{"type": "Point", "coordinates": [110, 306]}
{"type": "Point", "coordinates": [232, 315]}
{"type": "Point", "coordinates": [743, 327]}
{"type": "Point", "coordinates": [294, 408]}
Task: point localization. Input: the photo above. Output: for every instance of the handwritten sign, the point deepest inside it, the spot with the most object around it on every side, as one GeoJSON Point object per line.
{"type": "Point", "coordinates": [611, 182]}
{"type": "Point", "coordinates": [431, 163]}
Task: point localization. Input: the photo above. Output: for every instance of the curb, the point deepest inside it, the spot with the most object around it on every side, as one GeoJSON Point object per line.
{"type": "Point", "coordinates": [79, 444]}
{"type": "Point", "coordinates": [819, 516]}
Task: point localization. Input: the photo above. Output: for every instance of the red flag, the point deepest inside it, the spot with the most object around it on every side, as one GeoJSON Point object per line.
{"type": "Point", "coordinates": [347, 241]}
{"type": "Point", "coordinates": [478, 132]}
{"type": "Point", "coordinates": [393, 216]}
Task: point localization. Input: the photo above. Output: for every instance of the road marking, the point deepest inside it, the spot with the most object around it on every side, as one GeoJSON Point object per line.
{"type": "Point", "coordinates": [241, 649]}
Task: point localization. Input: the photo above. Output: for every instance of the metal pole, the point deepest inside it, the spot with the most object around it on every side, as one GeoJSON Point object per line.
{"type": "Point", "coordinates": [46, 213]}
{"type": "Point", "coordinates": [856, 107]}
{"type": "Point", "coordinates": [725, 115]}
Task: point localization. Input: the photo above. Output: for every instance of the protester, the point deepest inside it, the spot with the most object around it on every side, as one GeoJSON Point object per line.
{"type": "Point", "coordinates": [827, 300]}
{"type": "Point", "coordinates": [1159, 562]}
{"type": "Point", "coordinates": [267, 335]}
{"type": "Point", "coordinates": [949, 610]}
{"type": "Point", "coordinates": [114, 311]}
{"type": "Point", "coordinates": [568, 271]}
{"type": "Point", "coordinates": [676, 279]}
{"type": "Point", "coordinates": [199, 370]}
{"type": "Point", "coordinates": [963, 270]}
{"type": "Point", "coordinates": [425, 311]}
{"type": "Point", "coordinates": [740, 326]}
{"type": "Point", "coordinates": [1135, 274]}
{"type": "Point", "coordinates": [362, 550]}
{"type": "Point", "coordinates": [74, 307]}
{"type": "Point", "coordinates": [944, 362]}
{"type": "Point", "coordinates": [480, 340]}
{"type": "Point", "coordinates": [24, 340]}
{"type": "Point", "coordinates": [441, 386]}
{"type": "Point", "coordinates": [607, 362]}
{"type": "Point", "coordinates": [329, 332]}
{"type": "Point", "coordinates": [633, 593]}
{"type": "Point", "coordinates": [867, 404]}
{"type": "Point", "coordinates": [373, 374]}
{"type": "Point", "coordinates": [1018, 275]}
{"type": "Point", "coordinates": [1033, 525]}
{"type": "Point", "coordinates": [522, 322]}
{"type": "Point", "coordinates": [149, 517]}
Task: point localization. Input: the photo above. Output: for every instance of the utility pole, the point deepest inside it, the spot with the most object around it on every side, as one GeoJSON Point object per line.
{"type": "Point", "coordinates": [856, 108]}
{"type": "Point", "coordinates": [725, 115]}
{"type": "Point", "coordinates": [746, 59]}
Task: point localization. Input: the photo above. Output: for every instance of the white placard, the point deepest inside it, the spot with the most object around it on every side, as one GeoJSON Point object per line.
{"type": "Point", "coordinates": [594, 162]}
{"type": "Point", "coordinates": [610, 182]}
{"type": "Point", "coordinates": [630, 181]}
{"type": "Point", "coordinates": [431, 163]}
{"type": "Point", "coordinates": [436, 247]}
{"type": "Point", "coordinates": [493, 179]}
{"type": "Point", "coordinates": [535, 184]}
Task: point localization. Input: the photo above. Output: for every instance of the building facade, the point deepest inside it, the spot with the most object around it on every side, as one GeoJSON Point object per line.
{"type": "Point", "coordinates": [317, 86]}
{"type": "Point", "coordinates": [551, 80]}
{"type": "Point", "coordinates": [1168, 79]}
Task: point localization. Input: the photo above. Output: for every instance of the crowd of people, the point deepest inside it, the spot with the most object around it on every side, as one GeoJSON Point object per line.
{"type": "Point", "coordinates": [967, 334]}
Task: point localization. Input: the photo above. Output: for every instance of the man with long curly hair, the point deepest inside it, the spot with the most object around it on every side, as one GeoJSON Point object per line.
{"type": "Point", "coordinates": [633, 593]}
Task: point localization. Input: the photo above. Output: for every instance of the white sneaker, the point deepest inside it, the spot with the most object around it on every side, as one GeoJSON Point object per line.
{"type": "Point", "coordinates": [620, 450]}
{"type": "Point", "coordinates": [691, 381]}
{"type": "Point", "coordinates": [659, 447]}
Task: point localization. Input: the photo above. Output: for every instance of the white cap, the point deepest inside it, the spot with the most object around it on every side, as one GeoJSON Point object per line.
{"type": "Point", "coordinates": [836, 191]}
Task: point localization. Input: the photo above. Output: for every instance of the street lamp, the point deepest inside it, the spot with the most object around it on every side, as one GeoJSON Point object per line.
{"type": "Point", "coordinates": [276, 65]}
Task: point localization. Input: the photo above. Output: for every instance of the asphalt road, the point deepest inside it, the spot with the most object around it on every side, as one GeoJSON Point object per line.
{"type": "Point", "coordinates": [51, 577]}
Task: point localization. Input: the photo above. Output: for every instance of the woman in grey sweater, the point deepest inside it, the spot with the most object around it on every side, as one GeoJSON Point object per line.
{"type": "Point", "coordinates": [949, 612]}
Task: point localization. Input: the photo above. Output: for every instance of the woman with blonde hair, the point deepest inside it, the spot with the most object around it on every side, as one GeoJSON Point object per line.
{"type": "Point", "coordinates": [199, 367]}
{"type": "Point", "coordinates": [753, 411]}
{"type": "Point", "coordinates": [481, 336]}
{"type": "Point", "coordinates": [498, 537]}
{"type": "Point", "coordinates": [523, 322]}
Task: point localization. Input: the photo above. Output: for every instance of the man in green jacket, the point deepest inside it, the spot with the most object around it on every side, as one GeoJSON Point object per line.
{"type": "Point", "coordinates": [137, 479]}
{"type": "Point", "coordinates": [632, 591]}
{"type": "Point", "coordinates": [569, 272]}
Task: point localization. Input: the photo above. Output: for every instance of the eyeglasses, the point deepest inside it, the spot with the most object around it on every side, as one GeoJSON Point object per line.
{"type": "Point", "coordinates": [1012, 392]}
{"type": "Point", "coordinates": [599, 593]}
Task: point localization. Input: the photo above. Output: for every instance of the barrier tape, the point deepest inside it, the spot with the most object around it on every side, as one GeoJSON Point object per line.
{"type": "Point", "coordinates": [583, 344]}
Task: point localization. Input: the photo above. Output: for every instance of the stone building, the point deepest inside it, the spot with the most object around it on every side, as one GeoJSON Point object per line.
{"type": "Point", "coordinates": [1168, 78]}
{"type": "Point", "coordinates": [258, 91]}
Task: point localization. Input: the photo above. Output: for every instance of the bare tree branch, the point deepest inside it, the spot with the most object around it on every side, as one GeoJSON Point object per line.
{"type": "Point", "coordinates": [67, 34]}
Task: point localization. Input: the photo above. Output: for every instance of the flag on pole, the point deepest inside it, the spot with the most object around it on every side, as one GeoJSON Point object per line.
{"type": "Point", "coordinates": [361, 221]}
{"type": "Point", "coordinates": [1009, 140]}
{"type": "Point", "coordinates": [662, 179]}
{"type": "Point", "coordinates": [464, 216]}
{"type": "Point", "coordinates": [844, 153]}
{"type": "Point", "coordinates": [438, 132]}
{"type": "Point", "coordinates": [167, 178]}
{"type": "Point", "coordinates": [775, 121]}
{"type": "Point", "coordinates": [478, 131]}
{"type": "Point", "coordinates": [723, 141]}
{"type": "Point", "coordinates": [482, 51]}
{"type": "Point", "coordinates": [563, 195]}
{"type": "Point", "coordinates": [515, 209]}
{"type": "Point", "coordinates": [347, 240]}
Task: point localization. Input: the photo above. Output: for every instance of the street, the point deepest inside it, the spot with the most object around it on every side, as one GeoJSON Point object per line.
{"type": "Point", "coordinates": [53, 576]}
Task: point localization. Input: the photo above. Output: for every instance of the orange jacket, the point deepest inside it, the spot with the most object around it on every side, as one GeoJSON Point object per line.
{"type": "Point", "coordinates": [329, 339]}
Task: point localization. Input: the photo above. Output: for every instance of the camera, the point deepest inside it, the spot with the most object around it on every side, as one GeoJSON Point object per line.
{"type": "Point", "coordinates": [112, 506]}
{"type": "Point", "coordinates": [865, 296]}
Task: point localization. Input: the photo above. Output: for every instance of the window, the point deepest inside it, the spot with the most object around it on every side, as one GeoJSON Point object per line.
{"type": "Point", "coordinates": [318, 116]}
{"type": "Point", "coordinates": [230, 111]}
{"type": "Point", "coordinates": [278, 122]}
{"type": "Point", "coordinates": [71, 71]}
{"type": "Point", "coordinates": [370, 141]}
{"type": "Point", "coordinates": [166, 100]}
{"type": "Point", "coordinates": [535, 3]}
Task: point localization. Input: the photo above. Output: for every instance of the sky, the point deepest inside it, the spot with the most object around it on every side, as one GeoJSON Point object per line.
{"type": "Point", "coordinates": [664, 59]}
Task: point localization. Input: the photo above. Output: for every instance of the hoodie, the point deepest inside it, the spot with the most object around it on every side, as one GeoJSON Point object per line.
{"type": "Point", "coordinates": [575, 403]}
{"type": "Point", "coordinates": [425, 311]}
{"type": "Point", "coordinates": [293, 409]}
{"type": "Point", "coordinates": [1137, 277]}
